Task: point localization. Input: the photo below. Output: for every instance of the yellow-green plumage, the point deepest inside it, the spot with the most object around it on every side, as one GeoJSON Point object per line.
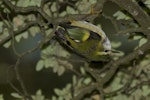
{"type": "Point", "coordinates": [78, 34]}
{"type": "Point", "coordinates": [85, 39]}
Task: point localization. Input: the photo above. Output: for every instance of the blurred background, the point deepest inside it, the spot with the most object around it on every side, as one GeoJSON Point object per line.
{"type": "Point", "coordinates": [45, 79]}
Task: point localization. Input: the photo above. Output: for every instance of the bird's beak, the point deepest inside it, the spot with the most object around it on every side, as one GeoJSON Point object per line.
{"type": "Point", "coordinates": [116, 53]}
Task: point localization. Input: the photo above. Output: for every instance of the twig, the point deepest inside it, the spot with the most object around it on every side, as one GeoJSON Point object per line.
{"type": "Point", "coordinates": [137, 12]}
{"type": "Point", "coordinates": [19, 31]}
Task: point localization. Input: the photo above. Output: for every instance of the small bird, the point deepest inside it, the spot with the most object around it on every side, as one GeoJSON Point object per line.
{"type": "Point", "coordinates": [85, 39]}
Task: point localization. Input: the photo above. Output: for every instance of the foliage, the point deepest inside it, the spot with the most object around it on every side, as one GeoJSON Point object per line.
{"type": "Point", "coordinates": [125, 77]}
{"type": "Point", "coordinates": [1, 97]}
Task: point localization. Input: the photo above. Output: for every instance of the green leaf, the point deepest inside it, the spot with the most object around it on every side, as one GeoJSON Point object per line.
{"type": "Point", "coordinates": [47, 63]}
{"type": "Point", "coordinates": [35, 3]}
{"type": "Point", "coordinates": [142, 41]}
{"type": "Point", "coordinates": [23, 3]}
{"type": "Point", "coordinates": [55, 69]}
{"type": "Point", "coordinates": [82, 70]}
{"type": "Point", "coordinates": [16, 95]}
{"type": "Point", "coordinates": [6, 10]}
{"type": "Point", "coordinates": [34, 30]}
{"type": "Point", "coordinates": [54, 98]}
{"type": "Point", "coordinates": [60, 98]}
{"type": "Point", "coordinates": [38, 95]}
{"type": "Point", "coordinates": [116, 44]}
{"type": "Point", "coordinates": [49, 31]}
{"type": "Point", "coordinates": [74, 80]}
{"type": "Point", "coordinates": [51, 62]}
{"type": "Point", "coordinates": [7, 44]}
{"type": "Point", "coordinates": [68, 87]}
{"type": "Point", "coordinates": [18, 37]}
{"type": "Point", "coordinates": [5, 34]}
{"type": "Point", "coordinates": [62, 14]}
{"type": "Point", "coordinates": [26, 3]}
{"type": "Point", "coordinates": [87, 81]}
{"type": "Point", "coordinates": [18, 21]}
{"type": "Point", "coordinates": [121, 97]}
{"type": "Point", "coordinates": [38, 92]}
{"type": "Point", "coordinates": [25, 35]}
{"type": "Point", "coordinates": [137, 37]}
{"type": "Point", "coordinates": [1, 97]}
{"type": "Point", "coordinates": [53, 7]}
{"type": "Point", "coordinates": [40, 65]}
{"type": "Point", "coordinates": [146, 90]}
{"type": "Point", "coordinates": [1, 27]}
{"type": "Point", "coordinates": [57, 91]}
{"type": "Point", "coordinates": [137, 94]}
{"type": "Point", "coordinates": [120, 15]}
{"type": "Point", "coordinates": [92, 1]}
{"type": "Point", "coordinates": [70, 10]}
{"type": "Point", "coordinates": [61, 70]}
{"type": "Point", "coordinates": [147, 3]}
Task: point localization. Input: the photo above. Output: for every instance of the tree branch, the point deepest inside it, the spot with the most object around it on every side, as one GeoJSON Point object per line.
{"type": "Point", "coordinates": [19, 31]}
{"type": "Point", "coordinates": [136, 11]}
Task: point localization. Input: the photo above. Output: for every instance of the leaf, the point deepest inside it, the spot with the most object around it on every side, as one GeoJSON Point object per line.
{"type": "Point", "coordinates": [120, 15]}
{"type": "Point", "coordinates": [47, 63]}
{"type": "Point", "coordinates": [137, 37]}
{"type": "Point", "coordinates": [23, 3]}
{"type": "Point", "coordinates": [92, 1]}
{"type": "Point", "coordinates": [26, 3]}
{"type": "Point", "coordinates": [57, 91]}
{"type": "Point", "coordinates": [70, 10]}
{"type": "Point", "coordinates": [147, 3]}
{"type": "Point", "coordinates": [55, 69]}
{"type": "Point", "coordinates": [38, 92]}
{"type": "Point", "coordinates": [61, 70]}
{"type": "Point", "coordinates": [18, 37]}
{"type": "Point", "coordinates": [87, 81]}
{"type": "Point", "coordinates": [82, 70]}
{"type": "Point", "coordinates": [6, 10]}
{"type": "Point", "coordinates": [38, 95]}
{"type": "Point", "coordinates": [16, 95]}
{"type": "Point", "coordinates": [1, 97]}
{"type": "Point", "coordinates": [18, 21]}
{"type": "Point", "coordinates": [146, 90]}
{"type": "Point", "coordinates": [121, 97]}
{"type": "Point", "coordinates": [49, 31]}
{"type": "Point", "coordinates": [25, 35]}
{"type": "Point", "coordinates": [60, 98]}
{"type": "Point", "coordinates": [35, 3]}
{"type": "Point", "coordinates": [53, 7]}
{"type": "Point", "coordinates": [142, 41]}
{"type": "Point", "coordinates": [68, 87]}
{"type": "Point", "coordinates": [40, 65]}
{"type": "Point", "coordinates": [7, 44]}
{"type": "Point", "coordinates": [34, 30]}
{"type": "Point", "coordinates": [116, 44]}
{"type": "Point", "coordinates": [74, 80]}
{"type": "Point", "coordinates": [137, 94]}
{"type": "Point", "coordinates": [54, 98]}
{"type": "Point", "coordinates": [5, 34]}
{"type": "Point", "coordinates": [1, 27]}
{"type": "Point", "coordinates": [62, 14]}
{"type": "Point", "coordinates": [51, 62]}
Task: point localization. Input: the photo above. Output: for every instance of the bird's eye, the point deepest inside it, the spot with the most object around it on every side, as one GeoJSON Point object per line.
{"type": "Point", "coordinates": [106, 50]}
{"type": "Point", "coordinates": [68, 43]}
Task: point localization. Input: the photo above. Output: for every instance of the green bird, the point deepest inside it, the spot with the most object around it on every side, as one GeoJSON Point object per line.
{"type": "Point", "coordinates": [85, 39]}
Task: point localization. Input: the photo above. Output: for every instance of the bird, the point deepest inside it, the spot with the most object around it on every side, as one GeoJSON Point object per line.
{"type": "Point", "coordinates": [85, 39]}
